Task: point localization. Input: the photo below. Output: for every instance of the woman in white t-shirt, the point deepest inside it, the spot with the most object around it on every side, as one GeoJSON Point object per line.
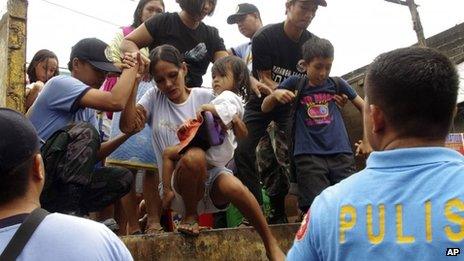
{"type": "Point", "coordinates": [197, 190]}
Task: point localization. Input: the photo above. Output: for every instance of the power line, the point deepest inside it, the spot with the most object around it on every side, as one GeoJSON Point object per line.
{"type": "Point", "coordinates": [81, 13]}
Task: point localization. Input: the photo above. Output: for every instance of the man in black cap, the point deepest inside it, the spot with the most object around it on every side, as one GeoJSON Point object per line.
{"type": "Point", "coordinates": [248, 20]}
{"type": "Point", "coordinates": [65, 120]}
{"type": "Point", "coordinates": [22, 178]}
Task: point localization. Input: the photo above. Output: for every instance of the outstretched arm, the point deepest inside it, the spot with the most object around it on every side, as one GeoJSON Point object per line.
{"type": "Point", "coordinates": [31, 94]}
{"type": "Point", "coordinates": [117, 98]}
{"type": "Point", "coordinates": [239, 127]}
{"type": "Point", "coordinates": [137, 124]}
{"type": "Point", "coordinates": [108, 147]}
{"type": "Point", "coordinates": [266, 78]}
{"type": "Point", "coordinates": [170, 157]}
{"type": "Point", "coordinates": [280, 96]}
{"type": "Point", "coordinates": [133, 115]}
{"type": "Point", "coordinates": [228, 188]}
{"type": "Point", "coordinates": [136, 40]}
{"type": "Point", "coordinates": [363, 147]}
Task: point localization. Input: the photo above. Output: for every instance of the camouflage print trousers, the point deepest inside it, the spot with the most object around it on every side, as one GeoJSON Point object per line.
{"type": "Point", "coordinates": [73, 183]}
{"type": "Point", "coordinates": [272, 161]}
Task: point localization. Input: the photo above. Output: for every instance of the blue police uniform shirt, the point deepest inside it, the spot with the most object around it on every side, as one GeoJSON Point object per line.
{"type": "Point", "coordinates": [58, 105]}
{"type": "Point", "coordinates": [319, 127]}
{"type": "Point", "coordinates": [408, 204]}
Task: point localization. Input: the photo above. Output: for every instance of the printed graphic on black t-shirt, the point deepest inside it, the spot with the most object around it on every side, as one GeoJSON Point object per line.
{"type": "Point", "coordinates": [197, 45]}
{"type": "Point", "coordinates": [279, 74]}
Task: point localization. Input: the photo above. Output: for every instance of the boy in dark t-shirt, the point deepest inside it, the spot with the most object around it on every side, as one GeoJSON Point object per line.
{"type": "Point", "coordinates": [322, 152]}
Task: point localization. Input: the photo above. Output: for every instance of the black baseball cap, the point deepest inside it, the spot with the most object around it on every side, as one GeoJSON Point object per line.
{"type": "Point", "coordinates": [242, 9]}
{"type": "Point", "coordinates": [94, 52]}
{"type": "Point", "coordinates": [19, 140]}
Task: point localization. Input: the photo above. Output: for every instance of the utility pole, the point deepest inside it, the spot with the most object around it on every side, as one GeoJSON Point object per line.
{"type": "Point", "coordinates": [417, 25]}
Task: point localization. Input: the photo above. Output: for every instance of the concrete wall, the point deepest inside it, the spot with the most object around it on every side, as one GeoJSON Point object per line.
{"type": "Point", "coordinates": [3, 60]}
{"type": "Point", "coordinates": [220, 244]}
{"type": "Point", "coordinates": [13, 54]}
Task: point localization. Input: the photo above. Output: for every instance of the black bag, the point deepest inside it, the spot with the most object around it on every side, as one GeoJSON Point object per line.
{"type": "Point", "coordinates": [69, 158]}
{"type": "Point", "coordinates": [23, 234]}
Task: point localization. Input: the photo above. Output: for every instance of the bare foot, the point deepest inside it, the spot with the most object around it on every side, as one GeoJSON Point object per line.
{"type": "Point", "coordinates": [143, 222]}
{"type": "Point", "coordinates": [142, 207]}
{"type": "Point", "coordinates": [274, 252]}
{"type": "Point", "coordinates": [155, 229]}
{"type": "Point", "coordinates": [189, 226]}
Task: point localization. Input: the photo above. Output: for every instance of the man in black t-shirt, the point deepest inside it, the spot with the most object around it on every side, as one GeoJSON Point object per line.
{"type": "Point", "coordinates": [276, 51]}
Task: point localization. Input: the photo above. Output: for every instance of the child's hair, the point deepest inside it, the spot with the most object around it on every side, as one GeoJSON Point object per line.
{"type": "Point", "coordinates": [239, 70]}
{"type": "Point", "coordinates": [316, 47]}
{"type": "Point", "coordinates": [416, 88]}
{"type": "Point", "coordinates": [167, 53]}
{"type": "Point", "coordinates": [194, 7]}
{"type": "Point", "coordinates": [40, 56]}
{"type": "Point", "coordinates": [138, 11]}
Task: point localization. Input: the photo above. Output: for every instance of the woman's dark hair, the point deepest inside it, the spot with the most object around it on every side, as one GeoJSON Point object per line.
{"type": "Point", "coordinates": [194, 7]}
{"type": "Point", "coordinates": [316, 47]}
{"type": "Point", "coordinates": [167, 53]}
{"type": "Point", "coordinates": [239, 70]}
{"type": "Point", "coordinates": [138, 11]}
{"type": "Point", "coordinates": [40, 56]}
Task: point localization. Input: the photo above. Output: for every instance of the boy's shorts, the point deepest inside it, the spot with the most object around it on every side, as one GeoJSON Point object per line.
{"type": "Point", "coordinates": [314, 173]}
{"type": "Point", "coordinates": [205, 205]}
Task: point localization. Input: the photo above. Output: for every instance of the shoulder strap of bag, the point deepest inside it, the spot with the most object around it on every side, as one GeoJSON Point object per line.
{"type": "Point", "coordinates": [338, 83]}
{"type": "Point", "coordinates": [298, 89]}
{"type": "Point", "coordinates": [292, 124]}
{"type": "Point", "coordinates": [23, 234]}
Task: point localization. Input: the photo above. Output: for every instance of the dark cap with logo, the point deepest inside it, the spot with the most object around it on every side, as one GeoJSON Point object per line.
{"type": "Point", "coordinates": [317, 2]}
{"type": "Point", "coordinates": [94, 52]}
{"type": "Point", "coordinates": [18, 142]}
{"type": "Point", "coordinates": [242, 9]}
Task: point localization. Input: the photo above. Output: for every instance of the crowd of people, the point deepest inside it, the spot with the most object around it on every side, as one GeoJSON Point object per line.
{"type": "Point", "coordinates": [271, 118]}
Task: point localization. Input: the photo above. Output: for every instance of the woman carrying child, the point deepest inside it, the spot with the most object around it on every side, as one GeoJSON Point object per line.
{"type": "Point", "coordinates": [166, 108]}
{"type": "Point", "coordinates": [229, 79]}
